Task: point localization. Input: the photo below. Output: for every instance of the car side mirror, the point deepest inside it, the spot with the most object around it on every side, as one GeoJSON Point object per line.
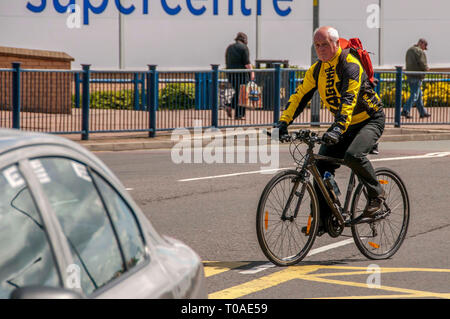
{"type": "Point", "coordinates": [41, 292]}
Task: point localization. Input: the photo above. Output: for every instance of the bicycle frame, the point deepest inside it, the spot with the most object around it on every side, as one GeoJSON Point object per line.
{"type": "Point", "coordinates": [310, 166]}
{"type": "Point", "coordinates": [336, 208]}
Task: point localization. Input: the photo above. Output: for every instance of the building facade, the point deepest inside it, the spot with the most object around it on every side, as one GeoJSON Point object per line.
{"type": "Point", "coordinates": [192, 34]}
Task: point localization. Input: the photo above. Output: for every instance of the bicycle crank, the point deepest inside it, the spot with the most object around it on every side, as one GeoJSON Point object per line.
{"type": "Point", "coordinates": [333, 227]}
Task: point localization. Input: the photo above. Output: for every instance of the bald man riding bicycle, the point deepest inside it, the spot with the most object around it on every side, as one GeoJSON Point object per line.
{"type": "Point", "coordinates": [345, 90]}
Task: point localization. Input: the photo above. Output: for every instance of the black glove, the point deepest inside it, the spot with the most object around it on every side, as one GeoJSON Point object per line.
{"type": "Point", "coordinates": [282, 127]}
{"type": "Point", "coordinates": [333, 136]}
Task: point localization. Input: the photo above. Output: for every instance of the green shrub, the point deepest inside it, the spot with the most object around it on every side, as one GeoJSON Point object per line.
{"type": "Point", "coordinates": [177, 96]}
{"type": "Point", "coordinates": [116, 100]}
{"type": "Point", "coordinates": [174, 96]}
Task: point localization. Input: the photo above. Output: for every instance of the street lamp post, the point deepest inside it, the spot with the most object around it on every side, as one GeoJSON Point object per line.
{"type": "Point", "coordinates": [315, 26]}
{"type": "Point", "coordinates": [121, 42]}
{"type": "Point", "coordinates": [315, 101]}
{"type": "Point", "coordinates": [380, 34]}
{"type": "Point", "coordinates": [258, 36]}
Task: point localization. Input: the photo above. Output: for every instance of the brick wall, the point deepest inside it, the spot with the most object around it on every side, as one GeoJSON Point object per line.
{"type": "Point", "coordinates": [41, 91]}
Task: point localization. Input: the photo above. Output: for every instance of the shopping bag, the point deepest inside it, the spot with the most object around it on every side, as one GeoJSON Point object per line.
{"type": "Point", "coordinates": [250, 95]}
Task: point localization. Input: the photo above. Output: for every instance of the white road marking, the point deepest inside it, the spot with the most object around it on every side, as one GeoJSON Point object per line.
{"type": "Point", "coordinates": [330, 246]}
{"type": "Point", "coordinates": [233, 174]}
{"type": "Point", "coordinates": [129, 189]}
{"type": "Point", "coordinates": [262, 267]}
{"type": "Point", "coordinates": [257, 269]}
{"type": "Point", "coordinates": [428, 155]}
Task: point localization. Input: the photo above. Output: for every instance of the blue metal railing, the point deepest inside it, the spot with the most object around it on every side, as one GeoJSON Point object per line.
{"type": "Point", "coordinates": [138, 82]}
{"type": "Point", "coordinates": [153, 100]}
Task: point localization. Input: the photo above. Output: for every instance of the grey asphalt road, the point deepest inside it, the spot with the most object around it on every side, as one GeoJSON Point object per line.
{"type": "Point", "coordinates": [212, 208]}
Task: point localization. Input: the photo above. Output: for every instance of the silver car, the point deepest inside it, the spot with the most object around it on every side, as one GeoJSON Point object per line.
{"type": "Point", "coordinates": [69, 229]}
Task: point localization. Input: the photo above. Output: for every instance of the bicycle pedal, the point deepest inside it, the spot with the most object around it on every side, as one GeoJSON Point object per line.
{"type": "Point", "coordinates": [361, 220]}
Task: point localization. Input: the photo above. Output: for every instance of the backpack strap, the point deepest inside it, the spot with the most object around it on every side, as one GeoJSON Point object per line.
{"type": "Point", "coordinates": [344, 54]}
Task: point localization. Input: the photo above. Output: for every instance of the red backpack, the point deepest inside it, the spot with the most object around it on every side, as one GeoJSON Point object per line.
{"type": "Point", "coordinates": [356, 49]}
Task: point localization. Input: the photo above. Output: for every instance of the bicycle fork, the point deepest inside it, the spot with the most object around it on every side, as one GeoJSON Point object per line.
{"type": "Point", "coordinates": [301, 178]}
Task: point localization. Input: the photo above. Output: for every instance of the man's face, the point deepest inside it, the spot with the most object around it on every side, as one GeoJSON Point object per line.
{"type": "Point", "coordinates": [325, 48]}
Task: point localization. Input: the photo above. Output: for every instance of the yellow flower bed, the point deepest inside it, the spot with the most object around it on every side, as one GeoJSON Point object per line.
{"type": "Point", "coordinates": [434, 94]}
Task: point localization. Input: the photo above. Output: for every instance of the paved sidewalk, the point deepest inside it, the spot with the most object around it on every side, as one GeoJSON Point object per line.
{"type": "Point", "coordinates": [122, 120]}
{"type": "Point", "coordinates": [163, 140]}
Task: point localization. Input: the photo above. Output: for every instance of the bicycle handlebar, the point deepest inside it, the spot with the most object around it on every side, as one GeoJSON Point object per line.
{"type": "Point", "coordinates": [305, 136]}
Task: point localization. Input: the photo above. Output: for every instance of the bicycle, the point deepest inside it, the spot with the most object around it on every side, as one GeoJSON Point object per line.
{"type": "Point", "coordinates": [287, 217]}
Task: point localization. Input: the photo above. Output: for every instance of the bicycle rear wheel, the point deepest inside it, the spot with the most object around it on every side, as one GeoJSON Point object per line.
{"type": "Point", "coordinates": [281, 239]}
{"type": "Point", "coordinates": [382, 238]}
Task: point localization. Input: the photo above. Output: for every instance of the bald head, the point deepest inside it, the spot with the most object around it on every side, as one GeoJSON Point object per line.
{"type": "Point", "coordinates": [326, 42]}
{"type": "Point", "coordinates": [327, 31]}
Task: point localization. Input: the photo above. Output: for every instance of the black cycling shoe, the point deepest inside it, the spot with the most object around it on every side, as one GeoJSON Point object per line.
{"type": "Point", "coordinates": [373, 206]}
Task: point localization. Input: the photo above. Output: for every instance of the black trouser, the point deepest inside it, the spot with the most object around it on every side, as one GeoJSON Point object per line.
{"type": "Point", "coordinates": [353, 147]}
{"type": "Point", "coordinates": [236, 79]}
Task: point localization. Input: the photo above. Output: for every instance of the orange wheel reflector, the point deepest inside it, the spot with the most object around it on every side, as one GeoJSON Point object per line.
{"type": "Point", "coordinates": [374, 245]}
{"type": "Point", "coordinates": [308, 226]}
{"type": "Point", "coordinates": [383, 182]}
{"type": "Point", "coordinates": [266, 220]}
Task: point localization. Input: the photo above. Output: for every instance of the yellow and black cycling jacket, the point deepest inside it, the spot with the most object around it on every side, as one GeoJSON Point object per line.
{"type": "Point", "coordinates": [343, 88]}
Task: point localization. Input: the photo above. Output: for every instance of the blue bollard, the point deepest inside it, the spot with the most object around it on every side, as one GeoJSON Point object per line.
{"type": "Point", "coordinates": [152, 97]}
{"type": "Point", "coordinates": [136, 91]}
{"type": "Point", "coordinates": [276, 93]}
{"type": "Point", "coordinates": [16, 96]}
{"type": "Point", "coordinates": [215, 96]}
{"type": "Point", "coordinates": [85, 102]}
{"type": "Point", "coordinates": [77, 90]}
{"type": "Point", "coordinates": [398, 96]}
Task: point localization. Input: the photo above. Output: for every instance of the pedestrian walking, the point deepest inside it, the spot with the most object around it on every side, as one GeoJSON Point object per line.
{"type": "Point", "coordinates": [237, 56]}
{"type": "Point", "coordinates": [416, 60]}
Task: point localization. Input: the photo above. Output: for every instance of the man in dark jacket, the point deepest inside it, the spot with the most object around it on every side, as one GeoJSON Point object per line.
{"type": "Point", "coordinates": [237, 56]}
{"type": "Point", "coordinates": [416, 60]}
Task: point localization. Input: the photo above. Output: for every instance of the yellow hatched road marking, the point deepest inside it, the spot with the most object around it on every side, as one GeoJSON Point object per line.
{"type": "Point", "coordinates": [307, 273]}
{"type": "Point", "coordinates": [216, 267]}
{"type": "Point", "coordinates": [415, 293]}
{"type": "Point", "coordinates": [265, 282]}
{"type": "Point", "coordinates": [444, 296]}
{"type": "Point", "coordinates": [389, 269]}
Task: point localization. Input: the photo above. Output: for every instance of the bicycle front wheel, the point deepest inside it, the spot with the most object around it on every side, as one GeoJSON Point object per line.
{"type": "Point", "coordinates": [286, 240]}
{"type": "Point", "coordinates": [382, 238]}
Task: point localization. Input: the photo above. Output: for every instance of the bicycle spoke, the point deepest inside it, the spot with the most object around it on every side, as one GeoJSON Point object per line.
{"type": "Point", "coordinates": [282, 239]}
{"type": "Point", "coordinates": [389, 230]}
